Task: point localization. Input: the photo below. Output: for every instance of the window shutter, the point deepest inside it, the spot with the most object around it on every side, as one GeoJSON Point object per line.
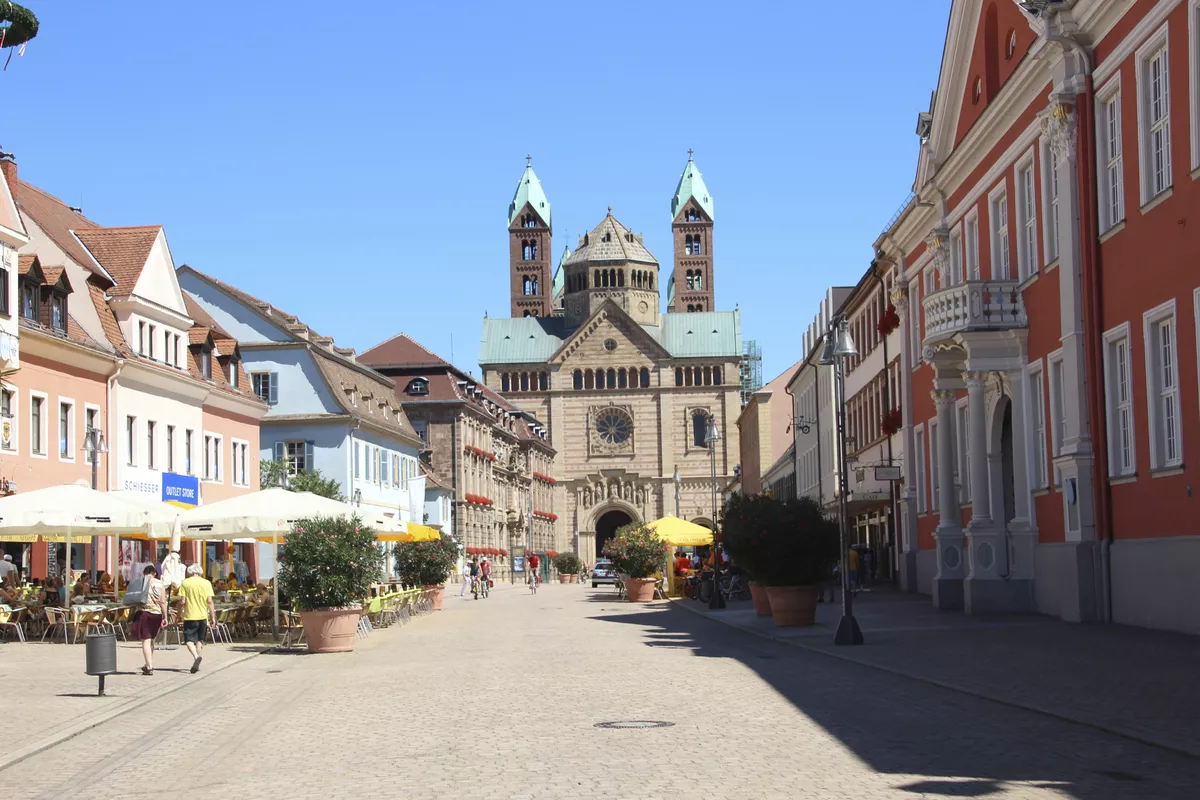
{"type": "Point", "coordinates": [280, 451]}
{"type": "Point", "coordinates": [308, 456]}
{"type": "Point", "coordinates": [273, 391]}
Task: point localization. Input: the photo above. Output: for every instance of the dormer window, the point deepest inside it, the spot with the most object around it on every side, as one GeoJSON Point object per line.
{"type": "Point", "coordinates": [206, 362]}
{"type": "Point", "coordinates": [58, 313]}
{"type": "Point", "coordinates": [233, 372]}
{"type": "Point", "coordinates": [29, 301]}
{"type": "Point", "coordinates": [418, 386]}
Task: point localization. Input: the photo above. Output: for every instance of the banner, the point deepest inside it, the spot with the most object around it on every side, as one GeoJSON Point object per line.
{"type": "Point", "coordinates": [162, 487]}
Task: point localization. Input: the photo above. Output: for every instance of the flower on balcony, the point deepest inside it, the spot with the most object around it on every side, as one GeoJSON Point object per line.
{"type": "Point", "coordinates": [545, 479]}
{"type": "Point", "coordinates": [503, 552]}
{"type": "Point", "coordinates": [546, 515]}
{"type": "Point", "coordinates": [890, 320]}
{"type": "Point", "coordinates": [892, 422]}
{"type": "Point", "coordinates": [552, 553]}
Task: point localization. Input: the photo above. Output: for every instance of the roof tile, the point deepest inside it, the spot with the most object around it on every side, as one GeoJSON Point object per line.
{"type": "Point", "coordinates": [122, 252]}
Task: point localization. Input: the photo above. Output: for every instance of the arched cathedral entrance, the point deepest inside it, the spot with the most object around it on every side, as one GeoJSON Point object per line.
{"type": "Point", "coordinates": [606, 527]}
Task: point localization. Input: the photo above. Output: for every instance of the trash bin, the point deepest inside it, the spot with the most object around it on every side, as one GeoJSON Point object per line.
{"type": "Point", "coordinates": [101, 656]}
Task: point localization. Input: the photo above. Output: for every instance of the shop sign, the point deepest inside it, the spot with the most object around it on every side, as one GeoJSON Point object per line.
{"type": "Point", "coordinates": [162, 487]}
{"type": "Point", "coordinates": [518, 559]}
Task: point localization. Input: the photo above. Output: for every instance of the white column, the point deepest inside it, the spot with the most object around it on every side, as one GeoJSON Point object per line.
{"type": "Point", "coordinates": [981, 501]}
{"type": "Point", "coordinates": [948, 583]}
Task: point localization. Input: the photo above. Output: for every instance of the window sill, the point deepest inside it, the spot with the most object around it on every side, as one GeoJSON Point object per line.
{"type": "Point", "coordinates": [1158, 200]}
{"type": "Point", "coordinates": [1053, 265]}
{"type": "Point", "coordinates": [1196, 173]}
{"type": "Point", "coordinates": [1043, 492]}
{"type": "Point", "coordinates": [1166, 472]}
{"type": "Point", "coordinates": [36, 454]}
{"type": "Point", "coordinates": [1112, 231]}
{"type": "Point", "coordinates": [1030, 281]}
{"type": "Point", "coordinates": [1119, 480]}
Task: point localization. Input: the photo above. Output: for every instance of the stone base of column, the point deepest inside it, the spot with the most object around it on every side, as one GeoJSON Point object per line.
{"type": "Point", "coordinates": [991, 595]}
{"type": "Point", "coordinates": [907, 570]}
{"type": "Point", "coordinates": [948, 594]}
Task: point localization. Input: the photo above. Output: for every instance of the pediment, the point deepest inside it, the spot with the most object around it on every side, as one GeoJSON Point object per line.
{"type": "Point", "coordinates": [609, 322]}
{"type": "Point", "coordinates": [528, 209]}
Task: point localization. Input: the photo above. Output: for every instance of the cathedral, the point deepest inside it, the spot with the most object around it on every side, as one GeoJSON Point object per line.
{"type": "Point", "coordinates": [626, 390]}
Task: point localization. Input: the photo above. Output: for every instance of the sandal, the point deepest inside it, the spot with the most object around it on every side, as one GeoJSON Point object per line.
{"type": "Point", "coordinates": [147, 671]}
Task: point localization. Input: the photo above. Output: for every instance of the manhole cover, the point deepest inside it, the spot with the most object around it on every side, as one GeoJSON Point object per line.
{"type": "Point", "coordinates": [635, 723]}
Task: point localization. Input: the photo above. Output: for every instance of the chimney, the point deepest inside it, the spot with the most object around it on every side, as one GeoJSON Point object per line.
{"type": "Point", "coordinates": [9, 167]}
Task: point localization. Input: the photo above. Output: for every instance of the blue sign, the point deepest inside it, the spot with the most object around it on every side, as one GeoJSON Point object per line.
{"type": "Point", "coordinates": [181, 490]}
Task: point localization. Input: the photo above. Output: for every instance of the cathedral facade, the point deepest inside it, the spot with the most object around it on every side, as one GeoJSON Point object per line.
{"type": "Point", "coordinates": [627, 391]}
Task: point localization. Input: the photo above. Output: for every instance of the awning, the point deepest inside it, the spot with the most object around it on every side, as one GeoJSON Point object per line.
{"type": "Point", "coordinates": [681, 533]}
{"type": "Point", "coordinates": [414, 532]}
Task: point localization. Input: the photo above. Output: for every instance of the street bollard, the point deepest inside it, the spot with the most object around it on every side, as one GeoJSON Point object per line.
{"type": "Point", "coordinates": [101, 656]}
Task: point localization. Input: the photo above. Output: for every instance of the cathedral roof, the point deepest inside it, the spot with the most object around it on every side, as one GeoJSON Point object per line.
{"type": "Point", "coordinates": [691, 185]}
{"type": "Point", "coordinates": [670, 290]}
{"type": "Point", "coordinates": [610, 241]}
{"type": "Point", "coordinates": [535, 340]}
{"type": "Point", "coordinates": [529, 191]}
{"type": "Point", "coordinates": [560, 276]}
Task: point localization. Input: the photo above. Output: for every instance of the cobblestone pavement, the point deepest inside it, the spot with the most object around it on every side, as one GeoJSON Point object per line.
{"type": "Point", "coordinates": [500, 699]}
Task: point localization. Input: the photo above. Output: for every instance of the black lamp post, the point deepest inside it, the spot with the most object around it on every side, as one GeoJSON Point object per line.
{"type": "Point", "coordinates": [711, 437]}
{"type": "Point", "coordinates": [95, 446]}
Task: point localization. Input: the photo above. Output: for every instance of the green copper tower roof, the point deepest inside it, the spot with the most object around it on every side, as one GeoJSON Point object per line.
{"type": "Point", "coordinates": [529, 191]}
{"type": "Point", "coordinates": [691, 184]}
{"type": "Point", "coordinates": [560, 276]}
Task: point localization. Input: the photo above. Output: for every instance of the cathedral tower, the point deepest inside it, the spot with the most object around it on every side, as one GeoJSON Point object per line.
{"type": "Point", "coordinates": [611, 263]}
{"type": "Point", "coordinates": [691, 284]}
{"type": "Point", "coordinates": [529, 234]}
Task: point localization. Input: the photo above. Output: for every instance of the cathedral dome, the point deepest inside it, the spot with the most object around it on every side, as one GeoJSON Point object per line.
{"type": "Point", "coordinates": [610, 241]}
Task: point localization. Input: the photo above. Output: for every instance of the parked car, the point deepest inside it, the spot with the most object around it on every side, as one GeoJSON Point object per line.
{"type": "Point", "coordinates": [603, 572]}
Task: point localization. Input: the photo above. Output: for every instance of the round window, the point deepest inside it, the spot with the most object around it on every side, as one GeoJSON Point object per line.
{"type": "Point", "coordinates": [613, 427]}
{"type": "Point", "coordinates": [610, 344]}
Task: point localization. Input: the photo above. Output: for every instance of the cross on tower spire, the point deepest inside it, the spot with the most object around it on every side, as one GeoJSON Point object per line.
{"type": "Point", "coordinates": [529, 160]}
{"type": "Point", "coordinates": [689, 154]}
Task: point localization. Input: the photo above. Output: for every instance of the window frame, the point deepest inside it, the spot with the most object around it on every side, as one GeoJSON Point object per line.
{"type": "Point", "coordinates": [1056, 386]}
{"type": "Point", "coordinates": [962, 444]}
{"type": "Point", "coordinates": [239, 465]}
{"type": "Point", "coordinates": [957, 273]}
{"type": "Point", "coordinates": [997, 235]}
{"type": "Point", "coordinates": [1111, 337]}
{"type": "Point", "coordinates": [1194, 79]}
{"type": "Point", "coordinates": [1051, 198]}
{"type": "Point", "coordinates": [1025, 182]}
{"type": "Point", "coordinates": [1156, 43]}
{"type": "Point", "coordinates": [1157, 394]}
{"type": "Point", "coordinates": [1040, 453]}
{"type": "Point", "coordinates": [69, 454]}
{"type": "Point", "coordinates": [42, 433]}
{"type": "Point", "coordinates": [971, 268]}
{"type": "Point", "coordinates": [1106, 159]}
{"type": "Point", "coordinates": [935, 482]}
{"type": "Point", "coordinates": [88, 408]}
{"type": "Point", "coordinates": [919, 467]}
{"type": "Point", "coordinates": [170, 448]}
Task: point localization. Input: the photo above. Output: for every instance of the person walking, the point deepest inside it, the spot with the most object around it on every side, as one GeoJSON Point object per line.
{"type": "Point", "coordinates": [198, 611]}
{"type": "Point", "coordinates": [151, 613]}
{"type": "Point", "coordinates": [485, 576]}
{"type": "Point", "coordinates": [466, 578]}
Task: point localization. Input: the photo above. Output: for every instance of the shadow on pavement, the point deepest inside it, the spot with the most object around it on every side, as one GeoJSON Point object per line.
{"type": "Point", "coordinates": [962, 746]}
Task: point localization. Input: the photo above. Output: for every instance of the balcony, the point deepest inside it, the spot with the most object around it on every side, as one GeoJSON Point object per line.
{"type": "Point", "coordinates": [974, 306]}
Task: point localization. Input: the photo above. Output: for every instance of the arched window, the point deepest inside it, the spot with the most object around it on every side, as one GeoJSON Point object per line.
{"type": "Point", "coordinates": [620, 277]}
{"type": "Point", "coordinates": [525, 285]}
{"type": "Point", "coordinates": [708, 376]}
{"type": "Point", "coordinates": [612, 378]}
{"type": "Point", "coordinates": [528, 314]}
{"type": "Point", "coordinates": [687, 245]}
{"type": "Point", "coordinates": [691, 308]}
{"type": "Point", "coordinates": [596, 283]}
{"type": "Point", "coordinates": [534, 284]}
{"type": "Point", "coordinates": [578, 379]}
{"type": "Point", "coordinates": [651, 277]}
{"type": "Point", "coordinates": [589, 380]}
{"type": "Point", "coordinates": [699, 429]}
{"type": "Point", "coordinates": [696, 375]}
{"type": "Point", "coordinates": [612, 277]}
{"type": "Point", "coordinates": [621, 380]}
{"type": "Point", "coordinates": [524, 381]}
{"type": "Point", "coordinates": [645, 378]}
{"type": "Point", "coordinates": [687, 376]}
{"type": "Point", "coordinates": [717, 376]}
{"type": "Point", "coordinates": [599, 379]}
{"type": "Point", "coordinates": [678, 377]}
{"type": "Point", "coordinates": [543, 381]}
{"type": "Point", "coordinates": [699, 279]}
{"type": "Point", "coordinates": [689, 279]}
{"type": "Point", "coordinates": [504, 384]}
{"type": "Point", "coordinates": [698, 245]}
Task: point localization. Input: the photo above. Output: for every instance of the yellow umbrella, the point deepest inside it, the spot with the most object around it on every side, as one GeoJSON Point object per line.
{"type": "Point", "coordinates": [681, 533]}
{"type": "Point", "coordinates": [416, 533]}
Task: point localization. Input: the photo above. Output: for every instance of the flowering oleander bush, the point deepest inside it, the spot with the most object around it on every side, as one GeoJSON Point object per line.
{"type": "Point", "coordinates": [567, 563]}
{"type": "Point", "coordinates": [426, 563]}
{"type": "Point", "coordinates": [328, 562]}
{"type": "Point", "coordinates": [780, 543]}
{"type": "Point", "coordinates": [635, 551]}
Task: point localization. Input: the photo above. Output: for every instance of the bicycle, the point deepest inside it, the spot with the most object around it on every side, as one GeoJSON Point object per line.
{"type": "Point", "coordinates": [533, 584]}
{"type": "Point", "coordinates": [733, 588]}
{"type": "Point", "coordinates": [475, 586]}
{"type": "Point", "coordinates": [484, 585]}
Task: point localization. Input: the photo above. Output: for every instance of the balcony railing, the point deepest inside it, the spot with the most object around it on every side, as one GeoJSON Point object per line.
{"type": "Point", "coordinates": [975, 306]}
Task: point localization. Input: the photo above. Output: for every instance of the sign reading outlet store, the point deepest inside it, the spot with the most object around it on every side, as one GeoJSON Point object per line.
{"type": "Point", "coordinates": [162, 487]}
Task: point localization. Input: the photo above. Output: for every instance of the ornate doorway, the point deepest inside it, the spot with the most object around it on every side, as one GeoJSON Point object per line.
{"type": "Point", "coordinates": [606, 527]}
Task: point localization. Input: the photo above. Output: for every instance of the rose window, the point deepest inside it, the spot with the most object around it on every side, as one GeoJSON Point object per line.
{"type": "Point", "coordinates": [613, 427]}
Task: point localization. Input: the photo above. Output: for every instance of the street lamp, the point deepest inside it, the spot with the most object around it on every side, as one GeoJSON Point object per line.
{"type": "Point", "coordinates": [676, 480]}
{"type": "Point", "coordinates": [838, 347]}
{"type": "Point", "coordinates": [95, 446]}
{"type": "Point", "coordinates": [711, 437]}
{"type": "Point", "coordinates": [357, 498]}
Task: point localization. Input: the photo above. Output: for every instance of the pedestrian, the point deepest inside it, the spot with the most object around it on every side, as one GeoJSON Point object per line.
{"type": "Point", "coordinates": [852, 568]}
{"type": "Point", "coordinates": [7, 567]}
{"type": "Point", "coordinates": [466, 578]}
{"type": "Point", "coordinates": [151, 613]}
{"type": "Point", "coordinates": [198, 611]}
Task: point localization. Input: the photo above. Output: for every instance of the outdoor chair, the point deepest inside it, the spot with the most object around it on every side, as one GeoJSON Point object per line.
{"type": "Point", "coordinates": [620, 584]}
{"type": "Point", "coordinates": [57, 621]}
{"type": "Point", "coordinates": [660, 589]}
{"type": "Point", "coordinates": [293, 626]}
{"type": "Point", "coordinates": [14, 620]}
{"type": "Point", "coordinates": [218, 632]}
{"type": "Point", "coordinates": [174, 624]}
{"type": "Point", "coordinates": [364, 620]}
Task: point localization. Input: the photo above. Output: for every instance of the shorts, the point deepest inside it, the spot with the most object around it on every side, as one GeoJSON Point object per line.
{"type": "Point", "coordinates": [195, 630]}
{"type": "Point", "coordinates": [146, 626]}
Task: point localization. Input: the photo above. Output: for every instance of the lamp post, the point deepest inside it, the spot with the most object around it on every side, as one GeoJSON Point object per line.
{"type": "Point", "coordinates": [839, 346]}
{"type": "Point", "coordinates": [711, 437]}
{"type": "Point", "coordinates": [95, 446]}
{"type": "Point", "coordinates": [676, 480]}
{"type": "Point", "coordinates": [357, 498]}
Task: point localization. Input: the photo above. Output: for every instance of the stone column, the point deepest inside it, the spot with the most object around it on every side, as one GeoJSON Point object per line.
{"type": "Point", "coordinates": [948, 583]}
{"type": "Point", "coordinates": [981, 501]}
{"type": "Point", "coordinates": [908, 501]}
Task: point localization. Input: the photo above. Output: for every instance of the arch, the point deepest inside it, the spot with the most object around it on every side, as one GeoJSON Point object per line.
{"type": "Point", "coordinates": [613, 517]}
{"type": "Point", "coordinates": [687, 376]}
{"type": "Point", "coordinates": [645, 378]}
{"type": "Point", "coordinates": [691, 308]}
{"type": "Point", "coordinates": [698, 245]}
{"type": "Point", "coordinates": [678, 376]}
{"type": "Point", "coordinates": [578, 378]}
{"type": "Point", "coordinates": [699, 279]}
{"type": "Point", "coordinates": [589, 380]}
{"type": "Point", "coordinates": [612, 277]}
{"type": "Point", "coordinates": [596, 282]}
{"type": "Point", "coordinates": [612, 378]}
{"type": "Point", "coordinates": [651, 280]}
{"type": "Point", "coordinates": [504, 383]}
{"type": "Point", "coordinates": [699, 429]}
{"type": "Point", "coordinates": [525, 285]}
{"type": "Point", "coordinates": [543, 381]}
{"type": "Point", "coordinates": [620, 277]}
{"type": "Point", "coordinates": [717, 376]}
{"type": "Point", "coordinates": [524, 381]}
{"type": "Point", "coordinates": [621, 380]}
{"type": "Point", "coordinates": [1001, 461]}
{"type": "Point", "coordinates": [528, 314]}
{"type": "Point", "coordinates": [534, 283]}
{"type": "Point", "coordinates": [708, 376]}
{"type": "Point", "coordinates": [689, 280]}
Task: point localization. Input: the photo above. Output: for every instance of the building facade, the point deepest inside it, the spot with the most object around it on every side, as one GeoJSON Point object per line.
{"type": "Point", "coordinates": [1050, 314]}
{"type": "Point", "coordinates": [625, 391]}
{"type": "Point", "coordinates": [493, 457]}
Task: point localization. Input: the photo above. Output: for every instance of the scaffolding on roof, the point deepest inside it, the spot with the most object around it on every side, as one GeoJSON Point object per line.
{"type": "Point", "coordinates": [750, 370]}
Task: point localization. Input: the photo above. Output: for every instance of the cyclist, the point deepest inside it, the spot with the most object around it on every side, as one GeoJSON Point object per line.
{"type": "Point", "coordinates": [485, 575]}
{"type": "Point", "coordinates": [474, 570]}
{"type": "Point", "coordinates": [534, 561]}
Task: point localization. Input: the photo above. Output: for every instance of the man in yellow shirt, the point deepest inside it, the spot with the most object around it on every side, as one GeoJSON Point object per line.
{"type": "Point", "coordinates": [198, 611]}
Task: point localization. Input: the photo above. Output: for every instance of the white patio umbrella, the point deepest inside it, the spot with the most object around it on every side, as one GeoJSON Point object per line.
{"type": "Point", "coordinates": [72, 508]}
{"type": "Point", "coordinates": [269, 512]}
{"type": "Point", "coordinates": [164, 525]}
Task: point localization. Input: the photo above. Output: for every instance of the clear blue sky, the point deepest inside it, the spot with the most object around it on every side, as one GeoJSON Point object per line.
{"type": "Point", "coordinates": [352, 162]}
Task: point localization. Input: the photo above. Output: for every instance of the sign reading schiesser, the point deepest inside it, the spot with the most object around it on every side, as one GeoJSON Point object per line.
{"type": "Point", "coordinates": [162, 487]}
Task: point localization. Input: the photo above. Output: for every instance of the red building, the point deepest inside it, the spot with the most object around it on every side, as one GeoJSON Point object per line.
{"type": "Point", "coordinates": [1049, 295]}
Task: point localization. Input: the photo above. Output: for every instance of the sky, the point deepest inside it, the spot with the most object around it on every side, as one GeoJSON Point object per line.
{"type": "Point", "coordinates": [352, 163]}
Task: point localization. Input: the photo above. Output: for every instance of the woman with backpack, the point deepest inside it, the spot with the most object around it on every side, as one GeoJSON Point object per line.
{"type": "Point", "coordinates": [151, 612]}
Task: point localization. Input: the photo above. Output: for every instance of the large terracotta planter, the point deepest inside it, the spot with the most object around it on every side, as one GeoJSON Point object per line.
{"type": "Point", "coordinates": [572, 578]}
{"type": "Point", "coordinates": [330, 630]}
{"type": "Point", "coordinates": [762, 603]}
{"type": "Point", "coordinates": [793, 606]}
{"type": "Point", "coordinates": [564, 578]}
{"type": "Point", "coordinates": [639, 590]}
{"type": "Point", "coordinates": [435, 595]}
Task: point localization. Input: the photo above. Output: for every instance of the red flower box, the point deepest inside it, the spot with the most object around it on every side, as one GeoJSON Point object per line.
{"type": "Point", "coordinates": [892, 422]}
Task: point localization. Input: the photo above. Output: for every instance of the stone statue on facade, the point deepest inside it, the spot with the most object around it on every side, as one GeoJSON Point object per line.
{"type": "Point", "coordinates": [587, 497]}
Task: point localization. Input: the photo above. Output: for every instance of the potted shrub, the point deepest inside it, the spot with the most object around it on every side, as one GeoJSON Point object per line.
{"type": "Point", "coordinates": [744, 520]}
{"type": "Point", "coordinates": [796, 553]}
{"type": "Point", "coordinates": [326, 568]}
{"type": "Point", "coordinates": [567, 565]}
{"type": "Point", "coordinates": [637, 553]}
{"type": "Point", "coordinates": [427, 564]}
